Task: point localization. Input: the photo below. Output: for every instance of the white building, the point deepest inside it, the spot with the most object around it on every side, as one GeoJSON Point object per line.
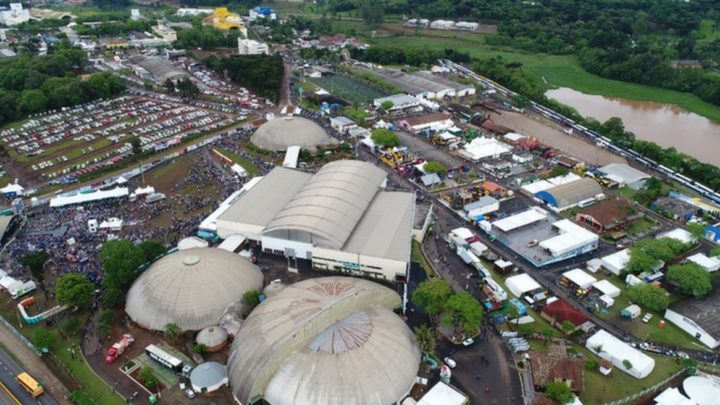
{"type": "Point", "coordinates": [443, 394]}
{"type": "Point", "coordinates": [481, 148]}
{"type": "Point", "coordinates": [616, 262]}
{"type": "Point", "coordinates": [252, 47]}
{"type": "Point", "coordinates": [579, 278]}
{"type": "Point", "coordinates": [342, 123]}
{"type": "Point", "coordinates": [521, 284]}
{"type": "Point", "coordinates": [625, 175]}
{"type": "Point", "coordinates": [340, 219]}
{"type": "Point", "coordinates": [467, 26]}
{"type": "Point", "coordinates": [571, 240]}
{"type": "Point", "coordinates": [15, 15]}
{"type": "Point", "coordinates": [291, 157]}
{"type": "Point", "coordinates": [678, 234]}
{"type": "Point", "coordinates": [442, 25]}
{"type": "Point", "coordinates": [193, 12]}
{"type": "Point", "coordinates": [612, 349]}
{"type": "Point", "coordinates": [711, 264]}
{"type": "Point", "coordinates": [135, 14]}
{"type": "Point", "coordinates": [165, 32]}
{"type": "Point", "coordinates": [400, 103]}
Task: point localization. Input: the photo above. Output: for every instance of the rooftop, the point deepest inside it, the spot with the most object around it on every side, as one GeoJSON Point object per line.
{"type": "Point", "coordinates": [547, 369]}
{"type": "Point", "coordinates": [624, 174]}
{"type": "Point", "coordinates": [568, 194]}
{"type": "Point", "coordinates": [705, 312]}
{"type": "Point", "coordinates": [426, 119]}
{"type": "Point", "coordinates": [280, 133]}
{"type": "Point", "coordinates": [562, 311]}
{"type": "Point", "coordinates": [610, 213]}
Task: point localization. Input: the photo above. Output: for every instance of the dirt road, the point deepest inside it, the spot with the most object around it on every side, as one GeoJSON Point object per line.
{"type": "Point", "coordinates": [33, 364]}
{"type": "Point", "coordinates": [551, 134]}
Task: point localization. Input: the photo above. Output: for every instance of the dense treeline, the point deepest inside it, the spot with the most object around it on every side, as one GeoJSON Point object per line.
{"type": "Point", "coordinates": [109, 28]}
{"type": "Point", "coordinates": [261, 74]}
{"type": "Point", "coordinates": [629, 40]}
{"type": "Point", "coordinates": [207, 38]}
{"type": "Point", "coordinates": [33, 84]}
{"type": "Point", "coordinates": [415, 57]}
{"type": "Point", "coordinates": [511, 76]}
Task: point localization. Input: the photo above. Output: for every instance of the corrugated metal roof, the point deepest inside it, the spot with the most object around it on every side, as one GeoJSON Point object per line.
{"type": "Point", "coordinates": [572, 193]}
{"type": "Point", "coordinates": [325, 341]}
{"type": "Point", "coordinates": [332, 202]}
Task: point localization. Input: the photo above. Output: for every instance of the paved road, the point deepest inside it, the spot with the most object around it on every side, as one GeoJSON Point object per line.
{"type": "Point", "coordinates": [9, 369]}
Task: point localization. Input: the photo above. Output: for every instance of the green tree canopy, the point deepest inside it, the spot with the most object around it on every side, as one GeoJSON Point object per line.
{"type": "Point", "coordinates": [172, 331]}
{"type": "Point", "coordinates": [387, 105]}
{"type": "Point", "coordinates": [36, 262]}
{"type": "Point", "coordinates": [692, 279]}
{"type": "Point", "coordinates": [640, 261]}
{"type": "Point", "coordinates": [431, 295]}
{"type": "Point", "coordinates": [696, 229]}
{"type": "Point", "coordinates": [434, 167]}
{"type": "Point", "coordinates": [648, 296]}
{"type": "Point", "coordinates": [426, 337]}
{"type": "Point", "coordinates": [147, 376]}
{"type": "Point", "coordinates": [152, 249]}
{"type": "Point", "coordinates": [464, 310]}
{"type": "Point", "coordinates": [74, 289]}
{"type": "Point", "coordinates": [250, 300]}
{"type": "Point", "coordinates": [120, 260]}
{"type": "Point", "coordinates": [385, 138]}
{"type": "Point", "coordinates": [44, 339]}
{"type": "Point", "coordinates": [560, 392]}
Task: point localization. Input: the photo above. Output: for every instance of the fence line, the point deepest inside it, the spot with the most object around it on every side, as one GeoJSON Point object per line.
{"type": "Point", "coordinates": [646, 391]}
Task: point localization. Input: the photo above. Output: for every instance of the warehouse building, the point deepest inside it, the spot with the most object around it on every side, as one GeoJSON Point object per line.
{"type": "Point", "coordinates": [161, 69]}
{"type": "Point", "coordinates": [624, 175]}
{"type": "Point", "coordinates": [190, 288]}
{"type": "Point", "coordinates": [340, 219]}
{"type": "Point", "coordinates": [698, 317]}
{"type": "Point", "coordinates": [568, 195]}
{"type": "Point", "coordinates": [280, 133]}
{"type": "Point", "coordinates": [401, 103]}
{"type": "Point", "coordinates": [329, 340]}
{"type": "Point", "coordinates": [423, 84]}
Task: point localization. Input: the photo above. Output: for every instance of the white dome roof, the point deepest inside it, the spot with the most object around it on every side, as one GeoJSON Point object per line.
{"type": "Point", "coordinates": [326, 340]}
{"type": "Point", "coordinates": [280, 133]}
{"type": "Point", "coordinates": [208, 376]}
{"type": "Point", "coordinates": [212, 336]}
{"type": "Point", "coordinates": [190, 288]}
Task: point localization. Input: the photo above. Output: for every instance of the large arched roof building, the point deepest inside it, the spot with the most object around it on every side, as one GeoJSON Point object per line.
{"type": "Point", "coordinates": [280, 133]}
{"type": "Point", "coordinates": [330, 340]}
{"type": "Point", "coordinates": [190, 288]}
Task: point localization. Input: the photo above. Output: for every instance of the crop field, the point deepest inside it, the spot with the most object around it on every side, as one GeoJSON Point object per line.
{"type": "Point", "coordinates": [59, 147]}
{"type": "Point", "coordinates": [348, 89]}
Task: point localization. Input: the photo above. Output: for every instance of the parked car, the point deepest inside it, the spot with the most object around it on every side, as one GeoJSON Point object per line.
{"type": "Point", "coordinates": [190, 393]}
{"type": "Point", "coordinates": [647, 317]}
{"type": "Point", "coordinates": [450, 362]}
{"type": "Point", "coordinates": [468, 342]}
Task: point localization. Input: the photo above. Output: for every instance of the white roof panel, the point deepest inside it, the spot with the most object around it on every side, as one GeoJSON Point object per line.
{"type": "Point", "coordinates": [519, 220]}
{"type": "Point", "coordinates": [443, 394]}
{"type": "Point", "coordinates": [616, 351]}
{"type": "Point", "coordinates": [521, 284]}
{"type": "Point", "coordinates": [580, 278]}
{"type": "Point", "coordinates": [538, 186]}
{"type": "Point", "coordinates": [708, 263]}
{"type": "Point", "coordinates": [607, 288]}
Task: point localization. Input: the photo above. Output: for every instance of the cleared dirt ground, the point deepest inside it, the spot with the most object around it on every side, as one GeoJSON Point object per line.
{"type": "Point", "coordinates": [552, 135]}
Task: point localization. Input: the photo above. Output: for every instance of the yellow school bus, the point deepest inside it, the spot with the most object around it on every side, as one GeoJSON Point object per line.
{"type": "Point", "coordinates": [31, 386]}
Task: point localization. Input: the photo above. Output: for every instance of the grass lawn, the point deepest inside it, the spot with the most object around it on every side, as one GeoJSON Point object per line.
{"type": "Point", "coordinates": [245, 163]}
{"type": "Point", "coordinates": [640, 226]}
{"type": "Point", "coordinates": [557, 71]}
{"type": "Point", "coordinates": [416, 255]}
{"type": "Point", "coordinates": [668, 334]}
{"type": "Point", "coordinates": [602, 389]}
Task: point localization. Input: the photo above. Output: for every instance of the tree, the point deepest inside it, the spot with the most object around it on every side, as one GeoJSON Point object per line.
{"type": "Point", "coordinates": [692, 279]}
{"type": "Point", "coordinates": [71, 326]}
{"type": "Point", "coordinates": [169, 85]}
{"type": "Point", "coordinates": [690, 364]}
{"type": "Point", "coordinates": [715, 251]}
{"type": "Point", "coordinates": [426, 337]}
{"type": "Point", "coordinates": [120, 260]}
{"type": "Point", "coordinates": [385, 138]}
{"type": "Point", "coordinates": [526, 328]}
{"type": "Point", "coordinates": [187, 87]}
{"type": "Point", "coordinates": [372, 12]}
{"type": "Point", "coordinates": [387, 105]}
{"type": "Point", "coordinates": [431, 295]}
{"type": "Point", "coordinates": [172, 331]}
{"type": "Point", "coordinates": [147, 376]}
{"type": "Point", "coordinates": [74, 289]}
{"type": "Point", "coordinates": [152, 249]}
{"type": "Point", "coordinates": [250, 300]}
{"type": "Point", "coordinates": [696, 229]}
{"type": "Point", "coordinates": [44, 339]}
{"type": "Point", "coordinates": [560, 392]}
{"type": "Point", "coordinates": [464, 310]}
{"type": "Point", "coordinates": [199, 348]}
{"type": "Point", "coordinates": [591, 364]}
{"type": "Point", "coordinates": [36, 262]}
{"type": "Point", "coordinates": [640, 261]}
{"type": "Point", "coordinates": [136, 145]}
{"type": "Point", "coordinates": [627, 364]}
{"type": "Point", "coordinates": [111, 297]}
{"type": "Point", "coordinates": [107, 316]}
{"type": "Point", "coordinates": [649, 296]}
{"type": "Point", "coordinates": [567, 327]}
{"type": "Point", "coordinates": [547, 333]}
{"type": "Point", "coordinates": [434, 167]}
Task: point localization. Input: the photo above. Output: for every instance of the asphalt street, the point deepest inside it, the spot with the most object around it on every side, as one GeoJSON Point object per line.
{"type": "Point", "coordinates": [9, 369]}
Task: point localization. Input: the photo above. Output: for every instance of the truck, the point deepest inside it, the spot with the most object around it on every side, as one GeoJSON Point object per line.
{"type": "Point", "coordinates": [118, 348]}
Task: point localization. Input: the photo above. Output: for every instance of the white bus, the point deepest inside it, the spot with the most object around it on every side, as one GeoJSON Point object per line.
{"type": "Point", "coordinates": [164, 358]}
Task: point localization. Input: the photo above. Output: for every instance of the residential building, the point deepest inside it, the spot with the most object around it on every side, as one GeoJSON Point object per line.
{"type": "Point", "coordinates": [14, 15]}
{"type": "Point", "coordinates": [560, 311]}
{"type": "Point", "coordinates": [548, 369]}
{"type": "Point", "coordinates": [262, 12]}
{"type": "Point", "coordinates": [609, 215]}
{"type": "Point", "coordinates": [252, 47]}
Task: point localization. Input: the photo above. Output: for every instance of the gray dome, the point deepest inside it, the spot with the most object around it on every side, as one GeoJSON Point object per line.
{"type": "Point", "coordinates": [190, 288]}
{"type": "Point", "coordinates": [280, 133]}
{"type": "Point", "coordinates": [208, 376]}
{"type": "Point", "coordinates": [330, 340]}
{"type": "Point", "coordinates": [212, 336]}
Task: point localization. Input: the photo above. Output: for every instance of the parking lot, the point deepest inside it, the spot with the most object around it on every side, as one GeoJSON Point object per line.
{"type": "Point", "coordinates": [60, 146]}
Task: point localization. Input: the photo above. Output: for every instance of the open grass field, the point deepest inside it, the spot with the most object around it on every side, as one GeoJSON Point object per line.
{"type": "Point", "coordinates": [416, 255]}
{"type": "Point", "coordinates": [245, 163]}
{"type": "Point", "coordinates": [348, 89]}
{"type": "Point", "coordinates": [603, 389]}
{"type": "Point", "coordinates": [556, 71]}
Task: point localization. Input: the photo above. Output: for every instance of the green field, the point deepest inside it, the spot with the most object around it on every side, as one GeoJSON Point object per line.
{"type": "Point", "coordinates": [557, 71]}
{"type": "Point", "coordinates": [245, 163]}
{"type": "Point", "coordinates": [348, 89]}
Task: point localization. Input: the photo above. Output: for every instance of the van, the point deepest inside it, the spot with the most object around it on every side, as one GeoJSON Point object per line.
{"type": "Point", "coordinates": [450, 362]}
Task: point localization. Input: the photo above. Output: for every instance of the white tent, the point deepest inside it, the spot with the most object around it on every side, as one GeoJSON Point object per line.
{"type": "Point", "coordinates": [239, 170]}
{"type": "Point", "coordinates": [710, 264]}
{"type": "Point", "coordinates": [632, 279]}
{"type": "Point", "coordinates": [678, 234]}
{"type": "Point", "coordinates": [607, 288]}
{"type": "Point", "coordinates": [144, 190]}
{"type": "Point", "coordinates": [521, 284]}
{"type": "Point", "coordinates": [673, 396]}
{"type": "Point", "coordinates": [113, 224]}
{"type": "Point", "coordinates": [191, 242]}
{"type": "Point", "coordinates": [12, 189]}
{"type": "Point", "coordinates": [612, 349]}
{"type": "Point", "coordinates": [616, 262]}
{"type": "Point", "coordinates": [79, 198]}
{"type": "Point", "coordinates": [580, 278]}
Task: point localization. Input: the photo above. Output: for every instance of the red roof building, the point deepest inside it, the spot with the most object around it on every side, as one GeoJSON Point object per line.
{"type": "Point", "coordinates": [560, 311]}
